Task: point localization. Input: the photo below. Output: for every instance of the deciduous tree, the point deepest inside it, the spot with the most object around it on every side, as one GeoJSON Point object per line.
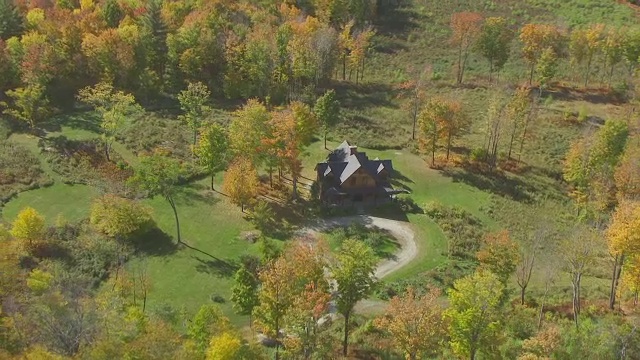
{"type": "Point", "coordinates": [494, 43]}
{"type": "Point", "coordinates": [475, 315]}
{"type": "Point", "coordinates": [247, 129]}
{"type": "Point", "coordinates": [213, 149]}
{"type": "Point", "coordinates": [535, 39]}
{"type": "Point", "coordinates": [415, 323]}
{"type": "Point", "coordinates": [28, 104]}
{"type": "Point", "coordinates": [28, 226]}
{"type": "Point", "coordinates": [160, 175]}
{"type": "Point", "coordinates": [327, 110]}
{"type": "Point", "coordinates": [579, 251]}
{"type": "Point", "coordinates": [193, 102]}
{"type": "Point", "coordinates": [465, 27]}
{"type": "Point", "coordinates": [584, 44]}
{"type": "Point", "coordinates": [244, 293]}
{"type": "Point", "coordinates": [499, 255]}
{"type": "Point", "coordinates": [241, 181]}
{"type": "Point", "coordinates": [354, 278]}
{"type": "Point", "coordinates": [119, 217]}
{"type": "Point", "coordinates": [114, 108]}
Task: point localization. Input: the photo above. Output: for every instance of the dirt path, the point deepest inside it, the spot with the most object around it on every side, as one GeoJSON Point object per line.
{"type": "Point", "coordinates": [400, 230]}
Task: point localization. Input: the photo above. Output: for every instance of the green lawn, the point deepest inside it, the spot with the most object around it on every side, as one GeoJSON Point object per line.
{"type": "Point", "coordinates": [70, 201]}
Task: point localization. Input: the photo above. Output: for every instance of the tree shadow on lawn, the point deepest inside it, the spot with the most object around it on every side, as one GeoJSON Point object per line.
{"type": "Point", "coordinates": [155, 242]}
{"type": "Point", "coordinates": [496, 182]}
{"type": "Point", "coordinates": [216, 267]}
{"type": "Point", "coordinates": [86, 120]}
{"type": "Point", "coordinates": [364, 96]}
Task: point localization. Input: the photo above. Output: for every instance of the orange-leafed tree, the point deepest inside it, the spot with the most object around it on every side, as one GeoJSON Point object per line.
{"type": "Point", "coordinates": [499, 254]}
{"type": "Point", "coordinates": [441, 120]}
{"type": "Point", "coordinates": [465, 27]}
{"type": "Point", "coordinates": [241, 181]}
{"type": "Point", "coordinates": [627, 173]}
{"type": "Point", "coordinates": [415, 323]}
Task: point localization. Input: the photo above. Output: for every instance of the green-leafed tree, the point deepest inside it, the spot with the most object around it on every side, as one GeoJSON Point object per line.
{"type": "Point", "coordinates": [28, 104]}
{"type": "Point", "coordinates": [494, 43]}
{"type": "Point", "coordinates": [213, 149]}
{"type": "Point", "coordinates": [114, 107]}
{"type": "Point", "coordinates": [119, 217]}
{"type": "Point", "coordinates": [249, 126]}
{"type": "Point", "coordinates": [475, 314]}
{"type": "Point", "coordinates": [327, 110]}
{"type": "Point", "coordinates": [354, 278]}
{"type": "Point", "coordinates": [244, 293]}
{"type": "Point", "coordinates": [159, 175]}
{"type": "Point", "coordinates": [193, 102]}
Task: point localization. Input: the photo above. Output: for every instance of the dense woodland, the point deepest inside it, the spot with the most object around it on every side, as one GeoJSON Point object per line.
{"type": "Point", "coordinates": [157, 132]}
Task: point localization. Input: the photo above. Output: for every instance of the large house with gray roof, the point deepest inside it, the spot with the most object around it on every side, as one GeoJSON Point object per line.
{"type": "Point", "coordinates": [349, 177]}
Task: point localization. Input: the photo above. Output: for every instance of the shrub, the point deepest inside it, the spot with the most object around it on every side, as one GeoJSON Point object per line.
{"type": "Point", "coordinates": [119, 217]}
{"type": "Point", "coordinates": [479, 155]}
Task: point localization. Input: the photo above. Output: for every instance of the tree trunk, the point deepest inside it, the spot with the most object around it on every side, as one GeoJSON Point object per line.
{"type": "Point", "coordinates": [295, 187]}
{"type": "Point", "coordinates": [524, 135]}
{"type": "Point", "coordinates": [357, 75]}
{"type": "Point", "coordinates": [175, 214]}
{"type": "Point", "coordinates": [325, 140]}
{"type": "Point", "coordinates": [513, 136]}
{"type": "Point", "coordinates": [522, 291]}
{"type": "Point", "coordinates": [615, 278]}
{"type": "Point", "coordinates": [344, 66]}
{"type": "Point", "coordinates": [106, 150]}
{"type": "Point", "coordinates": [212, 176]}
{"type": "Point", "coordinates": [242, 207]}
{"type": "Point", "coordinates": [415, 118]}
{"type": "Point", "coordinates": [533, 66]}
{"type": "Point", "coordinates": [345, 341]}
{"type": "Point", "coordinates": [490, 70]}
{"type": "Point", "coordinates": [448, 145]}
{"type": "Point", "coordinates": [459, 74]}
{"type": "Point", "coordinates": [586, 75]}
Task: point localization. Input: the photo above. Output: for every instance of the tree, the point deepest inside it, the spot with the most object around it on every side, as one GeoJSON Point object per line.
{"type": "Point", "coordinates": [494, 43]}
{"type": "Point", "coordinates": [528, 255]}
{"type": "Point", "coordinates": [292, 130]}
{"type": "Point", "coordinates": [275, 298]}
{"type": "Point", "coordinates": [226, 346]}
{"type": "Point", "coordinates": [415, 92]}
{"type": "Point", "coordinates": [499, 255]}
{"type": "Point", "coordinates": [354, 280]}
{"type": "Point", "coordinates": [119, 217]}
{"type": "Point", "coordinates": [30, 104]}
{"type": "Point", "coordinates": [474, 315]}
{"type": "Point", "coordinates": [112, 13]}
{"type": "Point", "coordinates": [465, 27]}
{"type": "Point", "coordinates": [584, 44]}
{"type": "Point", "coordinates": [590, 164]}
{"type": "Point", "coordinates": [430, 127]}
{"type": "Point", "coordinates": [213, 149]}
{"type": "Point", "coordinates": [613, 50]}
{"type": "Point", "coordinates": [579, 251]}
{"type": "Point", "coordinates": [207, 323]}
{"type": "Point", "coordinates": [631, 276]}
{"type": "Point", "coordinates": [241, 181]}
{"type": "Point", "coordinates": [159, 175]}
{"type": "Point", "coordinates": [28, 226]}
{"type": "Point", "coordinates": [631, 49]}
{"type": "Point", "coordinates": [517, 111]}
{"type": "Point", "coordinates": [415, 323]}
{"type": "Point", "coordinates": [546, 67]}
{"type": "Point", "coordinates": [249, 126]}
{"type": "Point", "coordinates": [193, 102]}
{"type": "Point", "coordinates": [114, 108]}
{"type": "Point", "coordinates": [627, 173]}
{"type": "Point", "coordinates": [244, 293]}
{"type": "Point", "coordinates": [11, 21]}
{"type": "Point", "coordinates": [327, 110]}
{"type": "Point", "coordinates": [494, 125]}
{"type": "Point", "coordinates": [623, 239]}
{"type": "Point", "coordinates": [535, 39]}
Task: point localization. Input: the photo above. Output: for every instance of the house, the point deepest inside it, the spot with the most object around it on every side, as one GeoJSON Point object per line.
{"type": "Point", "coordinates": [349, 177]}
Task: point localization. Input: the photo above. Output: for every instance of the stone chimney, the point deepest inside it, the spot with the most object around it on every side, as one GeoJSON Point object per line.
{"type": "Point", "coordinates": [353, 150]}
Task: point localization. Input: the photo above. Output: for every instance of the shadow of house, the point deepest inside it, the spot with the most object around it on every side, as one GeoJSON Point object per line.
{"type": "Point", "coordinates": [349, 177]}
